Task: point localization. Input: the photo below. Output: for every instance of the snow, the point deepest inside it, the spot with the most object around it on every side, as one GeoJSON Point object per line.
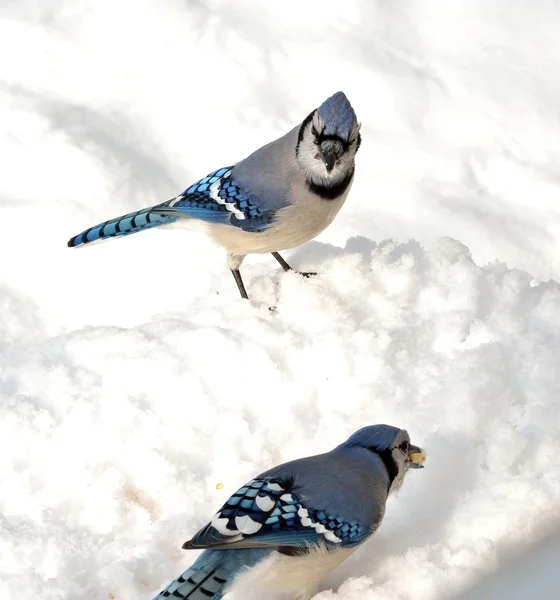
{"type": "Point", "coordinates": [138, 391]}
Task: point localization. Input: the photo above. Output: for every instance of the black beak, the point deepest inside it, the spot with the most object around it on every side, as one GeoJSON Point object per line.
{"type": "Point", "coordinates": [329, 158]}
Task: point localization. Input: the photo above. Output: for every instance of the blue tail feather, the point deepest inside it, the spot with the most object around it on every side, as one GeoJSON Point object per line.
{"type": "Point", "coordinates": [120, 226]}
{"type": "Point", "coordinates": [211, 574]}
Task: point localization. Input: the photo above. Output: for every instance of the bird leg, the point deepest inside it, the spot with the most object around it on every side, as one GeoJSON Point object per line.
{"type": "Point", "coordinates": [240, 285]}
{"type": "Point", "coordinates": [287, 267]}
{"type": "Point", "coordinates": [282, 262]}
{"type": "Point", "coordinates": [234, 262]}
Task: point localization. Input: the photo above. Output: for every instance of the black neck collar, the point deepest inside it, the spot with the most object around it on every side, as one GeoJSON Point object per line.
{"type": "Point", "coordinates": [331, 192]}
{"type": "Point", "coordinates": [387, 457]}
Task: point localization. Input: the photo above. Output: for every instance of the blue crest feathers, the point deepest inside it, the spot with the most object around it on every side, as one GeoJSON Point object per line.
{"type": "Point", "coordinates": [380, 437]}
{"type": "Point", "coordinates": [338, 115]}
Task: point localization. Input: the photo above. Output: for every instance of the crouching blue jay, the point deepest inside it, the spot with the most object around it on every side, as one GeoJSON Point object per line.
{"type": "Point", "coordinates": [284, 530]}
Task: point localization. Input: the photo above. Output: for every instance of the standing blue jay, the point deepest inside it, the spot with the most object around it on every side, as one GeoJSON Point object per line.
{"type": "Point", "coordinates": [279, 197]}
{"type": "Point", "coordinates": [287, 528]}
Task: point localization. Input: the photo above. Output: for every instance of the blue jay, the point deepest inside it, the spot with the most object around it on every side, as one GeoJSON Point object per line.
{"type": "Point", "coordinates": [279, 197]}
{"type": "Point", "coordinates": [287, 528]}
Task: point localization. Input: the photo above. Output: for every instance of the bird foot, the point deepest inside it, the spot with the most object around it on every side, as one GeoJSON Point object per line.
{"type": "Point", "coordinates": [287, 267]}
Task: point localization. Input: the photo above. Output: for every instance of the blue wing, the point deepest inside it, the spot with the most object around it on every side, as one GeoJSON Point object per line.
{"type": "Point", "coordinates": [214, 199]}
{"type": "Point", "coordinates": [217, 198]}
{"type": "Point", "coordinates": [266, 513]}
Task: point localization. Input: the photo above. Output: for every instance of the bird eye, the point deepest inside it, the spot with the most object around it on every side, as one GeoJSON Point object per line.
{"type": "Point", "coordinates": [405, 446]}
{"type": "Point", "coordinates": [314, 131]}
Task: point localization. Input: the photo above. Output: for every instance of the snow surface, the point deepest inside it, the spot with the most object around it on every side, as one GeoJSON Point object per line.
{"type": "Point", "coordinates": [533, 575]}
{"type": "Point", "coordinates": [133, 380]}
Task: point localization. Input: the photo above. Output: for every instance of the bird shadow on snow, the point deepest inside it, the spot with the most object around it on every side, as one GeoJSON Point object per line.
{"type": "Point", "coordinates": [20, 320]}
{"type": "Point", "coordinates": [531, 574]}
{"type": "Point", "coordinates": [493, 219]}
{"type": "Point", "coordinates": [317, 253]}
{"type": "Point", "coordinates": [319, 257]}
{"type": "Point", "coordinates": [136, 161]}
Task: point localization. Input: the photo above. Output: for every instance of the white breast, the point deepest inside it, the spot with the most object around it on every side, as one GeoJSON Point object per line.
{"type": "Point", "coordinates": [296, 224]}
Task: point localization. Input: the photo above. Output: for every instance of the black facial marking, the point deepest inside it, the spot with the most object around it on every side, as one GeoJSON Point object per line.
{"type": "Point", "coordinates": [389, 462]}
{"type": "Point", "coordinates": [302, 129]}
{"type": "Point", "coordinates": [331, 192]}
{"type": "Point", "coordinates": [405, 446]}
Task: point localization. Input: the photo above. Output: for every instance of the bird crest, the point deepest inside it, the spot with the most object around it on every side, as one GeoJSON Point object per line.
{"type": "Point", "coordinates": [338, 116]}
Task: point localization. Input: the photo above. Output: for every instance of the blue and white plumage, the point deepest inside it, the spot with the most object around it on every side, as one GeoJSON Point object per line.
{"type": "Point", "coordinates": [279, 197]}
{"type": "Point", "coordinates": [286, 529]}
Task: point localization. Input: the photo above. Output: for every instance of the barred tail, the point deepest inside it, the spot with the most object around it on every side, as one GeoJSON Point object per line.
{"type": "Point", "coordinates": [205, 580]}
{"type": "Point", "coordinates": [125, 225]}
{"type": "Point", "coordinates": [211, 574]}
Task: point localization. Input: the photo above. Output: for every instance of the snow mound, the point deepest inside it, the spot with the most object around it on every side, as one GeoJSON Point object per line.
{"type": "Point", "coordinates": [114, 439]}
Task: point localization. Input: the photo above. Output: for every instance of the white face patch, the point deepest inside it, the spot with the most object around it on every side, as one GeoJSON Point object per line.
{"type": "Point", "coordinates": [310, 160]}
{"type": "Point", "coordinates": [399, 457]}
